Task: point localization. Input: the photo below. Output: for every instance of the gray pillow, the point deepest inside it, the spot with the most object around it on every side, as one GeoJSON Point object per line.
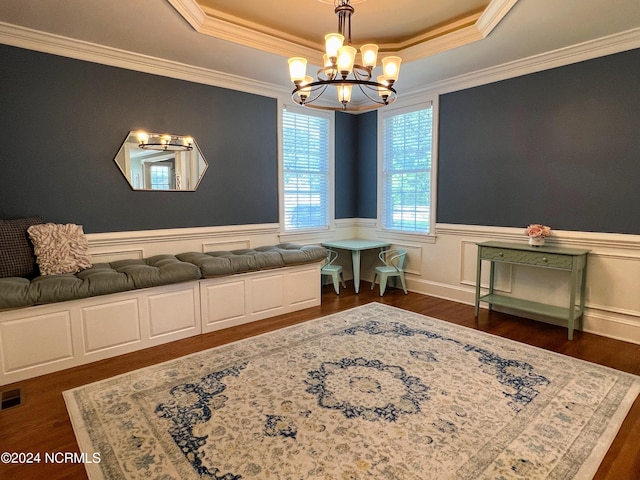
{"type": "Point", "coordinates": [17, 258]}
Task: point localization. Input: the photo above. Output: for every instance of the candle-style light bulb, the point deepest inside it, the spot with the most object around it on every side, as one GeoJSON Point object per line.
{"type": "Point", "coordinates": [143, 137]}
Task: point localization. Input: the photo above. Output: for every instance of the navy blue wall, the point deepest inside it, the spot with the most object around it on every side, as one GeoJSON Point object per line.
{"type": "Point", "coordinates": [346, 182]}
{"type": "Point", "coordinates": [63, 122]}
{"type": "Point", "coordinates": [560, 147]}
{"type": "Point", "coordinates": [356, 165]}
{"type": "Point", "coordinates": [367, 167]}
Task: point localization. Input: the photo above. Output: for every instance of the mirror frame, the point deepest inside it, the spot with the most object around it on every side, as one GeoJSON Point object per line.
{"type": "Point", "coordinates": [131, 149]}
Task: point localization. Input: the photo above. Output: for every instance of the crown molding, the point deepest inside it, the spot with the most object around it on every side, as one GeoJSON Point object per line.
{"type": "Point", "coordinates": [616, 43]}
{"type": "Point", "coordinates": [463, 34]}
{"type": "Point", "coordinates": [226, 27]}
{"type": "Point", "coordinates": [493, 15]}
{"type": "Point", "coordinates": [190, 11]}
{"type": "Point", "coordinates": [460, 32]}
{"type": "Point", "coordinates": [465, 31]}
{"type": "Point", "coordinates": [58, 45]}
{"type": "Point", "coordinates": [30, 39]}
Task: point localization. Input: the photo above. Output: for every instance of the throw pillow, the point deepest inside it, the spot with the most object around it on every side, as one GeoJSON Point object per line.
{"type": "Point", "coordinates": [16, 251]}
{"type": "Point", "coordinates": [60, 248]}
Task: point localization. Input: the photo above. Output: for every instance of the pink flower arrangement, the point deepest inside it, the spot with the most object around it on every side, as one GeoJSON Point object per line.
{"type": "Point", "coordinates": [536, 230]}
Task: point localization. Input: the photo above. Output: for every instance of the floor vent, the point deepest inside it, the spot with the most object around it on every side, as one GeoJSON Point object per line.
{"type": "Point", "coordinates": [10, 399]}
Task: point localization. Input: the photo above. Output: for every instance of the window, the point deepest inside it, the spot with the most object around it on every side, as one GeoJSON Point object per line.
{"type": "Point", "coordinates": [406, 169]}
{"type": "Point", "coordinates": [306, 147]}
{"type": "Point", "coordinates": [160, 176]}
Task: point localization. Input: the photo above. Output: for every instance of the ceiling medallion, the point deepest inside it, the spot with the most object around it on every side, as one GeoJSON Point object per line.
{"type": "Point", "coordinates": [341, 72]}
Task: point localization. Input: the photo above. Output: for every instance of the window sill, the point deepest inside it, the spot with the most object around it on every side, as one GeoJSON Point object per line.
{"type": "Point", "coordinates": [406, 236]}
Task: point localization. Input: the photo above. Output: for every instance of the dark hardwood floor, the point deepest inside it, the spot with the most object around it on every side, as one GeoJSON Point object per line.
{"type": "Point", "coordinates": [41, 423]}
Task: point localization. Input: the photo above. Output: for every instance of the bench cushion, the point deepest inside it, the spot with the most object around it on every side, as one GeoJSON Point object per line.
{"type": "Point", "coordinates": [101, 279]}
{"type": "Point", "coordinates": [215, 264]}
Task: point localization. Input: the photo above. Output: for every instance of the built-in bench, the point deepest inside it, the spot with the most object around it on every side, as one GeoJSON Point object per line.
{"type": "Point", "coordinates": [53, 322]}
{"type": "Point", "coordinates": [132, 274]}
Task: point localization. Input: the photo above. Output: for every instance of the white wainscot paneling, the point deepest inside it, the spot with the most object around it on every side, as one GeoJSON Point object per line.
{"type": "Point", "coordinates": [604, 290]}
{"type": "Point", "coordinates": [227, 245]}
{"type": "Point", "coordinates": [111, 324]}
{"type": "Point", "coordinates": [173, 312]}
{"type": "Point", "coordinates": [107, 247]}
{"type": "Point", "coordinates": [113, 255]}
{"type": "Point", "coordinates": [47, 338]}
{"type": "Point", "coordinates": [301, 288]}
{"type": "Point", "coordinates": [267, 293]}
{"type": "Point", "coordinates": [223, 301]}
{"type": "Point", "coordinates": [413, 260]}
{"type": "Point", "coordinates": [242, 298]}
{"type": "Point", "coordinates": [613, 268]}
{"type": "Point", "coordinates": [30, 341]}
{"type": "Point", "coordinates": [613, 303]}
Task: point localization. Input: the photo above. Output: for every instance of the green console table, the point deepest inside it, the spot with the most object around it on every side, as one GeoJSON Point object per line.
{"type": "Point", "coordinates": [573, 261]}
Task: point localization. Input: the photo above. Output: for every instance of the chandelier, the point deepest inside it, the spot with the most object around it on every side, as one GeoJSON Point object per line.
{"type": "Point", "coordinates": [163, 141]}
{"type": "Point", "coordinates": [341, 71]}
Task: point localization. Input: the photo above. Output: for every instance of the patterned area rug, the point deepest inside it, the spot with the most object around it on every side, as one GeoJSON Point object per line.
{"type": "Point", "coordinates": [375, 392]}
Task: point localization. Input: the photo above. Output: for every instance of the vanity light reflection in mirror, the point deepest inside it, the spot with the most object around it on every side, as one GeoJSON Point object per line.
{"type": "Point", "coordinates": [161, 162]}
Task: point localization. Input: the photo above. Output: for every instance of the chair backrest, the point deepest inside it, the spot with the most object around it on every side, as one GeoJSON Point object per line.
{"type": "Point", "coordinates": [331, 257]}
{"type": "Point", "coordinates": [394, 257]}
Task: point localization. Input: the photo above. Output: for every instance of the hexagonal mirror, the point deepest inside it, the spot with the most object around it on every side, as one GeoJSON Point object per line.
{"type": "Point", "coordinates": [161, 162]}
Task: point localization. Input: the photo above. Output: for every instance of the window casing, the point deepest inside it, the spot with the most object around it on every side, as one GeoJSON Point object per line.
{"type": "Point", "coordinates": [407, 196]}
{"type": "Point", "coordinates": [307, 169]}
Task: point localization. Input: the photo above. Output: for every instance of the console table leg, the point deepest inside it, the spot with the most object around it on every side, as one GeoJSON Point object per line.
{"type": "Point", "coordinates": [583, 290]}
{"type": "Point", "coordinates": [572, 301]}
{"type": "Point", "coordinates": [492, 271]}
{"type": "Point", "coordinates": [478, 275]}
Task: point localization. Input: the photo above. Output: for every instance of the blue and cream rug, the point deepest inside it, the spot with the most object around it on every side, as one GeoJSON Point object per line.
{"type": "Point", "coordinates": [375, 392]}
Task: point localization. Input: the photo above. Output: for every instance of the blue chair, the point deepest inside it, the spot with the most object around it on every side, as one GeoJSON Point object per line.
{"type": "Point", "coordinates": [393, 260]}
{"type": "Point", "coordinates": [334, 271]}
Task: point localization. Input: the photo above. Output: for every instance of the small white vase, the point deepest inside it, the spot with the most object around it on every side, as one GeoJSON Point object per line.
{"type": "Point", "coordinates": [536, 241]}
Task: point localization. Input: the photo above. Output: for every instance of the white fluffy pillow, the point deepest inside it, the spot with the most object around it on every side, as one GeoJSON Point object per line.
{"type": "Point", "coordinates": [60, 248]}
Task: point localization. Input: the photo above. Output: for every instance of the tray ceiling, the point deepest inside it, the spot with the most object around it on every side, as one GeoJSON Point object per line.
{"type": "Point", "coordinates": [516, 37]}
{"type": "Point", "coordinates": [411, 28]}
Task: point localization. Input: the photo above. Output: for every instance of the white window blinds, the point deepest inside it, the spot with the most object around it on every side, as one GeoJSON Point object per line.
{"type": "Point", "coordinates": [406, 169]}
{"type": "Point", "coordinates": [306, 170]}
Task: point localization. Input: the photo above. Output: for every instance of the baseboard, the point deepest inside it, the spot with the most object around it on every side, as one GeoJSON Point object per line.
{"type": "Point", "coordinates": [600, 322]}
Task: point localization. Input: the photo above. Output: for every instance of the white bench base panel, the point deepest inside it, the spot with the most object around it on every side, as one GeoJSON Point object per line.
{"type": "Point", "coordinates": [47, 338]}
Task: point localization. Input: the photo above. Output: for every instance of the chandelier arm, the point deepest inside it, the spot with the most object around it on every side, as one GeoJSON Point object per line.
{"type": "Point", "coordinates": [314, 87]}
{"type": "Point", "coordinates": [361, 73]}
{"type": "Point", "coordinates": [318, 90]}
{"type": "Point", "coordinates": [327, 73]}
{"type": "Point", "coordinates": [380, 100]}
